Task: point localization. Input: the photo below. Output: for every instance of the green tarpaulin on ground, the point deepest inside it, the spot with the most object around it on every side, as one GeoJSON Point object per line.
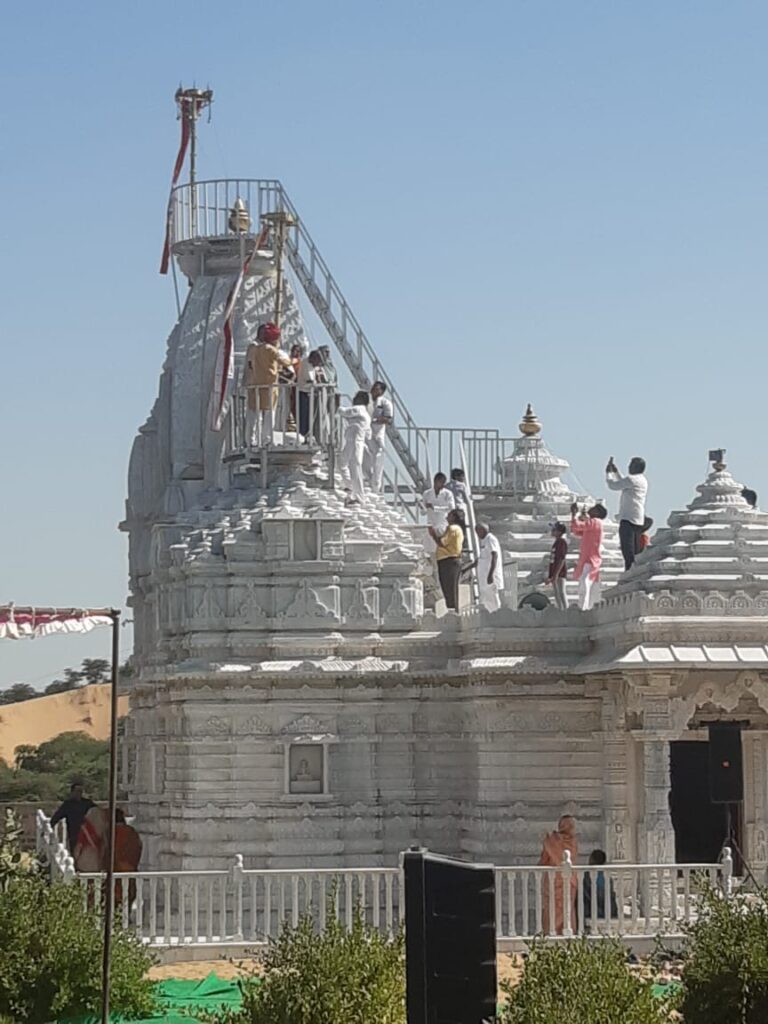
{"type": "Point", "coordinates": [190, 996]}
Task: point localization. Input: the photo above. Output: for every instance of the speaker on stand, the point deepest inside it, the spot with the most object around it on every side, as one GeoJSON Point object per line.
{"type": "Point", "coordinates": [726, 780]}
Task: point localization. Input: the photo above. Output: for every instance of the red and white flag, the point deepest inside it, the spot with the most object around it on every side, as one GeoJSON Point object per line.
{"type": "Point", "coordinates": [183, 144]}
{"type": "Point", "coordinates": [27, 623]}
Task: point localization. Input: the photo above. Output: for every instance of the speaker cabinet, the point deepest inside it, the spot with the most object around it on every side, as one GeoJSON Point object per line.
{"type": "Point", "coordinates": [450, 940]}
{"type": "Point", "coordinates": [726, 775]}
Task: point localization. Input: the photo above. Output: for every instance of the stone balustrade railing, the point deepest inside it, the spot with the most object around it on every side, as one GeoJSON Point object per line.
{"type": "Point", "coordinates": [240, 906]}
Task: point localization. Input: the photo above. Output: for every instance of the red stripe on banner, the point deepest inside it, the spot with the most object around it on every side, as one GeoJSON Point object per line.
{"type": "Point", "coordinates": [166, 257]}
{"type": "Point", "coordinates": [15, 624]}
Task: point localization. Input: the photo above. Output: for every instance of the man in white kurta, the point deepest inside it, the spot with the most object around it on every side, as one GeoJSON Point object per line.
{"type": "Point", "coordinates": [438, 501]}
{"type": "Point", "coordinates": [357, 429]}
{"type": "Point", "coordinates": [490, 574]}
{"type": "Point", "coordinates": [381, 417]}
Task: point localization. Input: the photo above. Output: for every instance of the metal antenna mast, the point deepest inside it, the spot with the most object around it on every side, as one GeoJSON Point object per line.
{"type": "Point", "coordinates": [191, 103]}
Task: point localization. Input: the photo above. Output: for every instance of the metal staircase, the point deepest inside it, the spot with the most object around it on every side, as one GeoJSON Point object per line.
{"type": "Point", "coordinates": [341, 323]}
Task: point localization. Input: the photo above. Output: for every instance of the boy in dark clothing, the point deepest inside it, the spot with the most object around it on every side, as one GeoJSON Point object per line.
{"type": "Point", "coordinates": [598, 857]}
{"type": "Point", "coordinates": [557, 570]}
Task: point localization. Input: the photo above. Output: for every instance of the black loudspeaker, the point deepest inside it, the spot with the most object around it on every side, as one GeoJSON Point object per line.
{"type": "Point", "coordinates": [726, 777]}
{"type": "Point", "coordinates": [450, 940]}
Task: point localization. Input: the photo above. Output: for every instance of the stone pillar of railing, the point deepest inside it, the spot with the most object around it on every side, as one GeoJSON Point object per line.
{"type": "Point", "coordinates": [568, 909]}
{"type": "Point", "coordinates": [236, 872]}
{"type": "Point", "coordinates": [726, 862]}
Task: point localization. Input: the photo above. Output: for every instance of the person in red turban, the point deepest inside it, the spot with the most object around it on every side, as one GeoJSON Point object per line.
{"type": "Point", "coordinates": [262, 367]}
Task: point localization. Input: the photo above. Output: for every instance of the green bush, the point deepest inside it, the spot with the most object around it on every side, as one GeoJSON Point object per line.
{"type": "Point", "coordinates": [725, 976]}
{"type": "Point", "coordinates": [50, 956]}
{"type": "Point", "coordinates": [332, 977]}
{"type": "Point", "coordinates": [584, 982]}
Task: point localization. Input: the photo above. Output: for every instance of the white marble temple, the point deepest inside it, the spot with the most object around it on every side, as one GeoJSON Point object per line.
{"type": "Point", "coordinates": [294, 703]}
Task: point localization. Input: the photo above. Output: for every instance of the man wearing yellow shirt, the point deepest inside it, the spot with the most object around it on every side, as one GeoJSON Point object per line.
{"type": "Point", "coordinates": [449, 545]}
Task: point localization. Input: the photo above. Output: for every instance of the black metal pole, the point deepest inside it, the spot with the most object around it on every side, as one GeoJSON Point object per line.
{"type": "Point", "coordinates": [109, 896]}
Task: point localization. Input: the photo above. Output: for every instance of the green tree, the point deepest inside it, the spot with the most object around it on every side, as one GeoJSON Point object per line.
{"type": "Point", "coordinates": [347, 976]}
{"type": "Point", "coordinates": [18, 692]}
{"type": "Point", "coordinates": [95, 670]}
{"type": "Point", "coordinates": [50, 950]}
{"type": "Point", "coordinates": [61, 686]}
{"type": "Point", "coordinates": [46, 772]}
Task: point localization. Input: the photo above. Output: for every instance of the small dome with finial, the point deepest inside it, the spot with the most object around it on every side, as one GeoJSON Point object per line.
{"type": "Point", "coordinates": [530, 425]}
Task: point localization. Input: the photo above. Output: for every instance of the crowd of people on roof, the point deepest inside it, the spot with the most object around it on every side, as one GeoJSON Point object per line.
{"type": "Point", "coordinates": [447, 504]}
{"type": "Point", "coordinates": [297, 391]}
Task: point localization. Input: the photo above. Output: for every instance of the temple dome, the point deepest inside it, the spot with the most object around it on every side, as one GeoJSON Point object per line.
{"type": "Point", "coordinates": [718, 543]}
{"type": "Point", "coordinates": [533, 497]}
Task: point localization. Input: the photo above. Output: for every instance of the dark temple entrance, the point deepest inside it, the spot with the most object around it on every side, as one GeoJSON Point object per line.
{"type": "Point", "coordinates": [700, 826]}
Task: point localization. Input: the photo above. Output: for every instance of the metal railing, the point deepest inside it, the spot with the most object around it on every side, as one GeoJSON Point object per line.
{"type": "Point", "coordinates": [240, 905]}
{"type": "Point", "coordinates": [202, 210]}
{"type": "Point", "coordinates": [282, 415]}
{"type": "Point", "coordinates": [623, 900]}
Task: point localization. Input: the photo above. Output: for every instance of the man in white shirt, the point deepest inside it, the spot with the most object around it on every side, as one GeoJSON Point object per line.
{"type": "Point", "coordinates": [634, 488]}
{"type": "Point", "coordinates": [490, 574]}
{"type": "Point", "coordinates": [381, 417]}
{"type": "Point", "coordinates": [438, 502]}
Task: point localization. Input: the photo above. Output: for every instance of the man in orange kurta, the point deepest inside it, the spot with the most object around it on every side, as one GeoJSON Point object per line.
{"type": "Point", "coordinates": [552, 855]}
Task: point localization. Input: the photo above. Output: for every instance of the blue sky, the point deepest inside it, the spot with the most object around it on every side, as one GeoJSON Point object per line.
{"type": "Point", "coordinates": [560, 202]}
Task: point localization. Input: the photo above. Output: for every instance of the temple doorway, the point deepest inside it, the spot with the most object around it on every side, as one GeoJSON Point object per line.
{"type": "Point", "coordinates": [700, 826]}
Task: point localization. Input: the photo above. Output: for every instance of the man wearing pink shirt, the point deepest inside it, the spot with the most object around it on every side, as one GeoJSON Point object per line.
{"type": "Point", "coordinates": [589, 529]}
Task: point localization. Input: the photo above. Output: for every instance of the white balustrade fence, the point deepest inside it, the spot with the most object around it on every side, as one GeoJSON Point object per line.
{"type": "Point", "coordinates": [172, 909]}
{"type": "Point", "coordinates": [624, 900]}
{"type": "Point", "coordinates": [187, 908]}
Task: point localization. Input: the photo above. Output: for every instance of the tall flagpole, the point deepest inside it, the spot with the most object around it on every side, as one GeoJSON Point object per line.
{"type": "Point", "coordinates": [109, 897]}
{"type": "Point", "coordinates": [191, 104]}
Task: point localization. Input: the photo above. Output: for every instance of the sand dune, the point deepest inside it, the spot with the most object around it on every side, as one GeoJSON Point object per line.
{"type": "Point", "coordinates": [35, 721]}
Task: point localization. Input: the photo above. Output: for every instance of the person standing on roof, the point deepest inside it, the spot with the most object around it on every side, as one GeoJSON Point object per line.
{"type": "Point", "coordinates": [449, 545]}
{"type": "Point", "coordinates": [330, 374]}
{"type": "Point", "coordinates": [263, 362]}
{"type": "Point", "coordinates": [558, 571]}
{"type": "Point", "coordinates": [381, 417]}
{"type": "Point", "coordinates": [490, 574]}
{"type": "Point", "coordinates": [634, 489]}
{"type": "Point", "coordinates": [310, 373]}
{"type": "Point", "coordinates": [357, 429]}
{"type": "Point", "coordinates": [459, 488]}
{"type": "Point", "coordinates": [589, 529]}
{"type": "Point", "coordinates": [438, 502]}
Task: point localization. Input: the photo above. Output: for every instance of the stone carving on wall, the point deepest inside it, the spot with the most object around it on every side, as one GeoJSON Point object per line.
{"type": "Point", "coordinates": [364, 606]}
{"type": "Point", "coordinates": [549, 722]}
{"type": "Point", "coordinates": [308, 725]}
{"type": "Point", "coordinates": [252, 725]}
{"type": "Point", "coordinates": [244, 603]}
{"type": "Point", "coordinates": [307, 604]}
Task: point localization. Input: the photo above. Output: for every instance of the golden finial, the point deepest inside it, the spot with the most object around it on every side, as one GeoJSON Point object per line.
{"type": "Point", "coordinates": [530, 425]}
{"type": "Point", "coordinates": [239, 218]}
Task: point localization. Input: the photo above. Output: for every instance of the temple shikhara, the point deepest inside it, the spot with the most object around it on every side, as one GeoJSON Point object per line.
{"type": "Point", "coordinates": [301, 694]}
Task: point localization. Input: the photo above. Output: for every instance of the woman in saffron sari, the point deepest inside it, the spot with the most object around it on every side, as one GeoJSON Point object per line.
{"type": "Point", "coordinates": [552, 855]}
